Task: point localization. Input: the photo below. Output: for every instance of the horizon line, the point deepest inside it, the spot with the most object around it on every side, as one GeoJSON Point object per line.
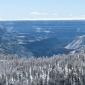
{"type": "Point", "coordinates": [61, 19]}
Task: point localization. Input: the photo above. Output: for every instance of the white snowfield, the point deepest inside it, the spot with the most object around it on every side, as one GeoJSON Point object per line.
{"type": "Point", "coordinates": [56, 70]}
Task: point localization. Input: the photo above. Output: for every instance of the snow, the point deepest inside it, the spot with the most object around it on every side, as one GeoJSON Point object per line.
{"type": "Point", "coordinates": [38, 29]}
{"type": "Point", "coordinates": [47, 31]}
{"type": "Point", "coordinates": [21, 36]}
{"type": "Point", "coordinates": [76, 43]}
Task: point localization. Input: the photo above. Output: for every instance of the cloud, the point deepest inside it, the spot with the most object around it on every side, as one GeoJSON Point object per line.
{"type": "Point", "coordinates": [35, 13]}
{"type": "Point", "coordinates": [42, 15]}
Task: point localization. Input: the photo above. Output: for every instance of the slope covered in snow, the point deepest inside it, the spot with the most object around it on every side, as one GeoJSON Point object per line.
{"type": "Point", "coordinates": [56, 70]}
{"type": "Point", "coordinates": [77, 43]}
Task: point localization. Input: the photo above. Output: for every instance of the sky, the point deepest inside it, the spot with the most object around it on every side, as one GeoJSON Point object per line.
{"type": "Point", "coordinates": [42, 9]}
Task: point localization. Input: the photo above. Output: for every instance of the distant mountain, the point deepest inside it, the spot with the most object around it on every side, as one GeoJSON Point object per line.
{"type": "Point", "coordinates": [10, 43]}
{"type": "Point", "coordinates": [40, 38]}
{"type": "Point", "coordinates": [2, 31]}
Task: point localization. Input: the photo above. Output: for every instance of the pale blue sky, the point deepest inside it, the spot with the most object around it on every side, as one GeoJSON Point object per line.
{"type": "Point", "coordinates": [42, 9]}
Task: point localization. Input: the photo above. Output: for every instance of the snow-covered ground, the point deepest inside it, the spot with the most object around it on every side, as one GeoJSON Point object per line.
{"type": "Point", "coordinates": [56, 70]}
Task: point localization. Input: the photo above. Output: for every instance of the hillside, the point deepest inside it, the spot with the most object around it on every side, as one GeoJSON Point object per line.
{"type": "Point", "coordinates": [77, 45]}
{"type": "Point", "coordinates": [57, 70]}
